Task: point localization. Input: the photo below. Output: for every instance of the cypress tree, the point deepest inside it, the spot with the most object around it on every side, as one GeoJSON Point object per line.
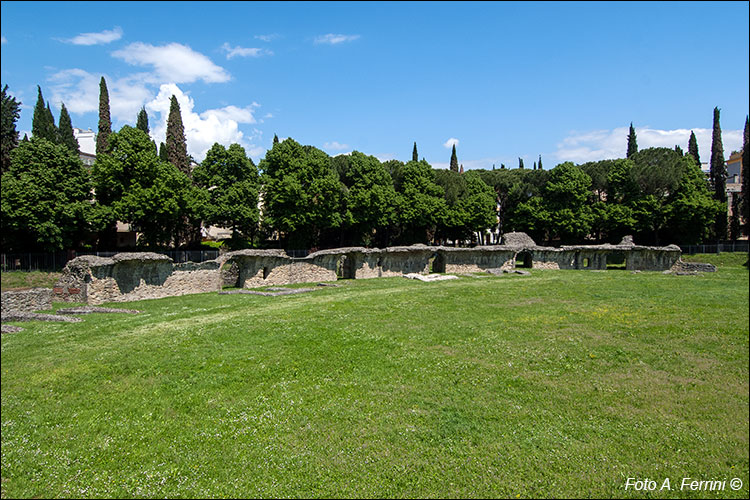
{"type": "Point", "coordinates": [678, 150]}
{"type": "Point", "coordinates": [275, 139]}
{"type": "Point", "coordinates": [745, 203]}
{"type": "Point", "coordinates": [67, 137]}
{"type": "Point", "coordinates": [105, 124]}
{"type": "Point", "coordinates": [142, 121]}
{"type": "Point", "coordinates": [54, 133]}
{"type": "Point", "coordinates": [693, 148]}
{"type": "Point", "coordinates": [534, 168]}
{"type": "Point", "coordinates": [718, 172]}
{"type": "Point", "coordinates": [520, 162]}
{"type": "Point", "coordinates": [11, 111]}
{"type": "Point", "coordinates": [632, 143]}
{"type": "Point", "coordinates": [454, 160]}
{"type": "Point", "coordinates": [718, 176]}
{"type": "Point", "coordinates": [502, 166]}
{"type": "Point", "coordinates": [540, 162]}
{"type": "Point", "coordinates": [42, 125]}
{"type": "Point", "coordinates": [176, 142]}
{"type": "Point", "coordinates": [414, 155]}
{"type": "Point", "coordinates": [163, 152]}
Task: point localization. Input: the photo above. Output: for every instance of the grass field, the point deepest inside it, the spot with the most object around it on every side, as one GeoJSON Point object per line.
{"type": "Point", "coordinates": [558, 384]}
{"type": "Point", "coordinates": [19, 280]}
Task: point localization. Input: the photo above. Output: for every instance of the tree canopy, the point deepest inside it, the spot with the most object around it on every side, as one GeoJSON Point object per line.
{"type": "Point", "coordinates": [46, 198]}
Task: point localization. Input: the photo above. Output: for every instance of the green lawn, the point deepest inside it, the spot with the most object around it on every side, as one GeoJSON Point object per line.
{"type": "Point", "coordinates": [18, 280]}
{"type": "Point", "coordinates": [558, 384]}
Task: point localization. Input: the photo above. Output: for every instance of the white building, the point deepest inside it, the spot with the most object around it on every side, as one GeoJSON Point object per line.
{"type": "Point", "coordinates": [86, 145]}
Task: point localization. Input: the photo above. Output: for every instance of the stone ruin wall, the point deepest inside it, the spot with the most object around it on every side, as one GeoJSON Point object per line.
{"type": "Point", "coordinates": [135, 276]}
{"type": "Point", "coordinates": [35, 299]}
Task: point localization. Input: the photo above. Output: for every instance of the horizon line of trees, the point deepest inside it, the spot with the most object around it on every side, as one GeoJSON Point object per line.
{"type": "Point", "coordinates": [300, 197]}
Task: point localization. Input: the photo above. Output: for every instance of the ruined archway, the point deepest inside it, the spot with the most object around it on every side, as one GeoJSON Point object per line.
{"type": "Point", "coordinates": [524, 260]}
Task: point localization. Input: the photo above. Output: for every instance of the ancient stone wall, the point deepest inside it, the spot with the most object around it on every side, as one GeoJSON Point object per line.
{"type": "Point", "coordinates": [473, 260]}
{"type": "Point", "coordinates": [134, 276]}
{"type": "Point", "coordinates": [35, 299]}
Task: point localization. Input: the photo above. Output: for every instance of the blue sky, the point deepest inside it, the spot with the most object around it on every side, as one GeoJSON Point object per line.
{"type": "Point", "coordinates": [502, 80]}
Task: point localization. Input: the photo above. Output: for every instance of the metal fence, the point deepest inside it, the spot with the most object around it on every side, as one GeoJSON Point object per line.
{"type": "Point", "coordinates": [55, 261]}
{"type": "Point", "coordinates": [725, 246]}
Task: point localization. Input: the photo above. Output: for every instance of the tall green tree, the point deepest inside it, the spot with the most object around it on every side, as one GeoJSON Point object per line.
{"type": "Point", "coordinates": [693, 148]}
{"type": "Point", "coordinates": [46, 198]}
{"type": "Point", "coordinates": [420, 204]}
{"type": "Point", "coordinates": [632, 142]}
{"type": "Point", "coordinates": [51, 121]}
{"type": "Point", "coordinates": [678, 150]}
{"type": "Point", "coordinates": [275, 139]}
{"type": "Point", "coordinates": [163, 155]}
{"type": "Point", "coordinates": [454, 160]}
{"type": "Point", "coordinates": [520, 162]}
{"type": "Point", "coordinates": [470, 205]}
{"type": "Point", "coordinates": [176, 141]}
{"type": "Point", "coordinates": [231, 182]}
{"type": "Point", "coordinates": [10, 111]}
{"type": "Point", "coordinates": [67, 137]}
{"type": "Point", "coordinates": [135, 187]}
{"type": "Point", "coordinates": [561, 210]}
{"type": "Point", "coordinates": [369, 200]}
{"type": "Point", "coordinates": [414, 155]}
{"type": "Point", "coordinates": [540, 163]}
{"type": "Point", "coordinates": [302, 195]}
{"type": "Point", "coordinates": [42, 125]}
{"type": "Point", "coordinates": [105, 123]}
{"type": "Point", "coordinates": [142, 120]}
{"type": "Point", "coordinates": [718, 176]}
{"type": "Point", "coordinates": [745, 193]}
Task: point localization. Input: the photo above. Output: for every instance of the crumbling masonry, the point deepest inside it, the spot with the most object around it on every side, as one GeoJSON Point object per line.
{"type": "Point", "coordinates": [135, 276]}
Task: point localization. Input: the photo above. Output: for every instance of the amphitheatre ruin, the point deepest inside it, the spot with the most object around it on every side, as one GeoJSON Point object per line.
{"type": "Point", "coordinates": [135, 276]}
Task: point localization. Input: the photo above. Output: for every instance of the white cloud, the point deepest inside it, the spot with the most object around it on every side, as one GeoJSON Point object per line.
{"type": "Point", "coordinates": [332, 39]}
{"type": "Point", "coordinates": [581, 147]}
{"type": "Point", "coordinates": [244, 52]}
{"type": "Point", "coordinates": [173, 62]}
{"type": "Point", "coordinates": [79, 90]}
{"type": "Point", "coordinates": [3, 40]}
{"type": "Point", "coordinates": [335, 146]}
{"type": "Point", "coordinates": [240, 115]}
{"type": "Point", "coordinates": [450, 143]}
{"type": "Point", "coordinates": [268, 38]}
{"type": "Point", "coordinates": [204, 129]}
{"type": "Point", "coordinates": [106, 36]}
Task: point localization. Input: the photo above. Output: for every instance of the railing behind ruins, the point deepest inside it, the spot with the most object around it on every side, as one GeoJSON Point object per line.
{"type": "Point", "coordinates": [724, 246]}
{"type": "Point", "coordinates": [55, 261]}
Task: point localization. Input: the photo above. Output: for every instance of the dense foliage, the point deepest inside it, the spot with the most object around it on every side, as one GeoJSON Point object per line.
{"type": "Point", "coordinates": [45, 198]}
{"type": "Point", "coordinates": [230, 183]}
{"type": "Point", "coordinates": [298, 197]}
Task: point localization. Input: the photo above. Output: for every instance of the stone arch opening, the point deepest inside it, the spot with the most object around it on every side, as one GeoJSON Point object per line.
{"type": "Point", "coordinates": [615, 260]}
{"type": "Point", "coordinates": [345, 267]}
{"type": "Point", "coordinates": [438, 263]}
{"type": "Point", "coordinates": [524, 260]}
